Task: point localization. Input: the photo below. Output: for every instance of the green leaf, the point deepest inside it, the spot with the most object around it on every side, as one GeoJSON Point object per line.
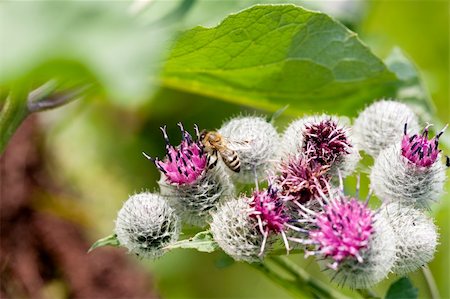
{"type": "Point", "coordinates": [277, 114]}
{"type": "Point", "coordinates": [410, 87]}
{"type": "Point", "coordinates": [203, 242]}
{"type": "Point", "coordinates": [110, 240]}
{"type": "Point", "coordinates": [412, 90]}
{"type": "Point", "coordinates": [80, 41]}
{"type": "Point", "coordinates": [271, 55]}
{"type": "Point", "coordinates": [402, 289]}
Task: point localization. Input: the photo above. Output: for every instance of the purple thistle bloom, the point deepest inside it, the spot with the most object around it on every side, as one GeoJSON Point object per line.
{"type": "Point", "coordinates": [420, 150]}
{"type": "Point", "coordinates": [183, 164]}
{"type": "Point", "coordinates": [301, 179]}
{"type": "Point", "coordinates": [268, 208]}
{"type": "Point", "coordinates": [325, 141]}
{"type": "Point", "coordinates": [343, 229]}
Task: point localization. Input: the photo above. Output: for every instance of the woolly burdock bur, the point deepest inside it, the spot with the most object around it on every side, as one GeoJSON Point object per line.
{"type": "Point", "coordinates": [146, 224]}
{"type": "Point", "coordinates": [190, 186]}
{"type": "Point", "coordinates": [417, 237]}
{"type": "Point", "coordinates": [236, 232]}
{"type": "Point", "coordinates": [380, 125]}
{"type": "Point", "coordinates": [409, 172]}
{"type": "Point", "coordinates": [257, 144]}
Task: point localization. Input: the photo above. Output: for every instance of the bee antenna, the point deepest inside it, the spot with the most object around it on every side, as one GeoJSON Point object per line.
{"type": "Point", "coordinates": [405, 129]}
{"type": "Point", "coordinates": [447, 161]}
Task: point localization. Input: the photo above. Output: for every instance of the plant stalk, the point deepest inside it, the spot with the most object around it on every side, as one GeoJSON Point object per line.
{"type": "Point", "coordinates": [318, 288]}
{"type": "Point", "coordinates": [434, 292]}
{"type": "Point", "coordinates": [291, 286]}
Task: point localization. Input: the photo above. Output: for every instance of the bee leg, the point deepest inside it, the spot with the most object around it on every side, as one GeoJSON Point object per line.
{"type": "Point", "coordinates": [212, 160]}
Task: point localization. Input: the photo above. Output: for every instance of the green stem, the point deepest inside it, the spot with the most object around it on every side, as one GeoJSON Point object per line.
{"type": "Point", "coordinates": [434, 292]}
{"type": "Point", "coordinates": [366, 293]}
{"type": "Point", "coordinates": [291, 286]}
{"type": "Point", "coordinates": [282, 251]}
{"type": "Point", "coordinates": [14, 112]}
{"type": "Point", "coordinates": [315, 286]}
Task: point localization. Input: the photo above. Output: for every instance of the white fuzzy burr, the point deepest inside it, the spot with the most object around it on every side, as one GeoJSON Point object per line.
{"type": "Point", "coordinates": [236, 232]}
{"type": "Point", "coordinates": [195, 202]}
{"type": "Point", "coordinates": [146, 224]}
{"type": "Point", "coordinates": [292, 141]}
{"type": "Point", "coordinates": [417, 237]}
{"type": "Point", "coordinates": [377, 259]}
{"type": "Point", "coordinates": [381, 124]}
{"type": "Point", "coordinates": [395, 179]}
{"type": "Point", "coordinates": [256, 143]}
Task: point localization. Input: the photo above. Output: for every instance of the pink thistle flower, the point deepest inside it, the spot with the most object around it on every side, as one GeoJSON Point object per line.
{"type": "Point", "coordinates": [344, 228]}
{"type": "Point", "coordinates": [268, 208]}
{"type": "Point", "coordinates": [301, 178]}
{"type": "Point", "coordinates": [325, 141]}
{"type": "Point", "coordinates": [183, 164]}
{"type": "Point", "coordinates": [420, 150]}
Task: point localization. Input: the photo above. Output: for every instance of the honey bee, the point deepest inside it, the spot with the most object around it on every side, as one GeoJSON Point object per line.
{"type": "Point", "coordinates": [214, 143]}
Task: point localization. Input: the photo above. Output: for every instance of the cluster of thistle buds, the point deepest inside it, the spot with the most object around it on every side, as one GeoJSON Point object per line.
{"type": "Point", "coordinates": [304, 205]}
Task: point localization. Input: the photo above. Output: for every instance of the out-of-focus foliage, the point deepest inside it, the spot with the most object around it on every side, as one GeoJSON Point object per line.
{"type": "Point", "coordinates": [80, 41]}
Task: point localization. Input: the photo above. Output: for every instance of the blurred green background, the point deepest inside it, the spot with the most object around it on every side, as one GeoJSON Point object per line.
{"type": "Point", "coordinates": [94, 144]}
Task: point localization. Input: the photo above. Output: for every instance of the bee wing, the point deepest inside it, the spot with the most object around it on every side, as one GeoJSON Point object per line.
{"type": "Point", "coordinates": [239, 144]}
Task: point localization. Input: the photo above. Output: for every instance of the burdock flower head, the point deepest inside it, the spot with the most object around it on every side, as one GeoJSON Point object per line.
{"type": "Point", "coordinates": [343, 230]}
{"type": "Point", "coordinates": [324, 138]}
{"type": "Point", "coordinates": [325, 141]}
{"type": "Point", "coordinates": [190, 186]}
{"type": "Point", "coordinates": [409, 172]}
{"type": "Point", "coordinates": [420, 150]}
{"type": "Point", "coordinates": [348, 237]}
{"type": "Point", "coordinates": [268, 208]}
{"type": "Point", "coordinates": [183, 164]}
{"type": "Point", "coordinates": [301, 178]}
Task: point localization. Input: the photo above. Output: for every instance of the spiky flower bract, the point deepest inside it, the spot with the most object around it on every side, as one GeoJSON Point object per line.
{"type": "Point", "coordinates": [325, 138]}
{"type": "Point", "coordinates": [301, 178]}
{"type": "Point", "coordinates": [183, 164]}
{"type": "Point", "coordinates": [419, 150]}
{"type": "Point", "coordinates": [381, 124]}
{"type": "Point", "coordinates": [268, 208]}
{"type": "Point", "coordinates": [146, 224]}
{"type": "Point", "coordinates": [410, 172]}
{"type": "Point", "coordinates": [256, 143]}
{"type": "Point", "coordinates": [236, 232]}
{"type": "Point", "coordinates": [417, 237]}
